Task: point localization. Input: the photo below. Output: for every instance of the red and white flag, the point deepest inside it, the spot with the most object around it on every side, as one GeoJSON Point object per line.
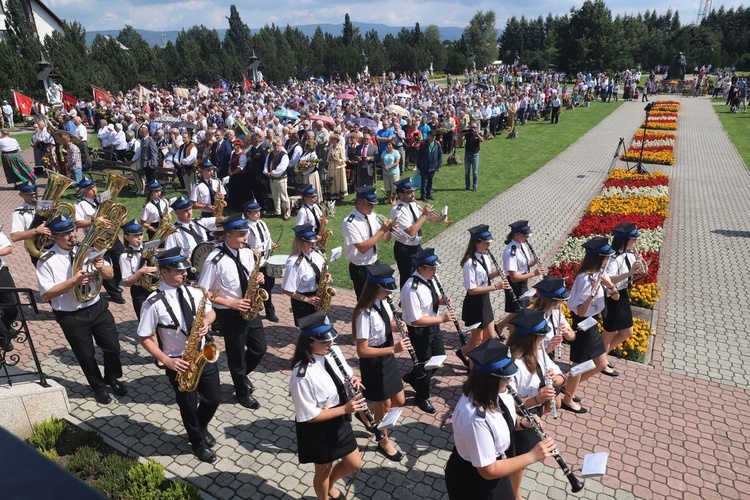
{"type": "Point", "coordinates": [101, 95]}
{"type": "Point", "coordinates": [23, 103]}
{"type": "Point", "coordinates": [246, 85]}
{"type": "Point", "coordinates": [69, 102]}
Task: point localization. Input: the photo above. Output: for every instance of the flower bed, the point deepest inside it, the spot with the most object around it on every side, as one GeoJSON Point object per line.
{"type": "Point", "coordinates": [604, 205]}
{"type": "Point", "coordinates": [658, 156]}
{"type": "Point", "coordinates": [653, 142]}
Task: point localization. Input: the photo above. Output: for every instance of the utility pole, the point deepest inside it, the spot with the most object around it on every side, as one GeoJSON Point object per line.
{"type": "Point", "coordinates": [703, 10]}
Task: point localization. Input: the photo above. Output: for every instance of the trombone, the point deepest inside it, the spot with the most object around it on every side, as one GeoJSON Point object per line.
{"type": "Point", "coordinates": [435, 217]}
{"type": "Point", "coordinates": [397, 231]}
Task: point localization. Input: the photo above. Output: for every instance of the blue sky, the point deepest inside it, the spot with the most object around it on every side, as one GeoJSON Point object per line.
{"type": "Point", "coordinates": [171, 15]}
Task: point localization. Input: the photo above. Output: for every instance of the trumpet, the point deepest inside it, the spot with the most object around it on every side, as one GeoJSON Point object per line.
{"type": "Point", "coordinates": [435, 217]}
{"type": "Point", "coordinates": [397, 231]}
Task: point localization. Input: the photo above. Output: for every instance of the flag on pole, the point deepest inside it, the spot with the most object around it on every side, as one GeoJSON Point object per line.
{"type": "Point", "coordinates": [224, 84]}
{"type": "Point", "coordinates": [144, 94]}
{"type": "Point", "coordinates": [69, 102]}
{"type": "Point", "coordinates": [203, 89]}
{"type": "Point", "coordinates": [181, 92]}
{"type": "Point", "coordinates": [246, 85]}
{"type": "Point", "coordinates": [23, 103]}
{"type": "Point", "coordinates": [101, 95]}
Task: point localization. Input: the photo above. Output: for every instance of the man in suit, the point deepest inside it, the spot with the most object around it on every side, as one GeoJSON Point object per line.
{"type": "Point", "coordinates": [367, 153]}
{"type": "Point", "coordinates": [429, 160]}
{"type": "Point", "coordinates": [221, 154]}
{"type": "Point", "coordinates": [149, 155]}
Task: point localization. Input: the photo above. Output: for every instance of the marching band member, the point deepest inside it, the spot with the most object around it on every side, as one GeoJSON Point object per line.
{"type": "Point", "coordinates": [551, 293]}
{"type": "Point", "coordinates": [133, 267]}
{"type": "Point", "coordinates": [373, 330]}
{"type": "Point", "coordinates": [170, 312]}
{"type": "Point", "coordinates": [517, 265]}
{"type": "Point", "coordinates": [302, 272]}
{"type": "Point", "coordinates": [8, 308]}
{"type": "Point", "coordinates": [227, 270]}
{"type": "Point", "coordinates": [20, 221]}
{"type": "Point", "coordinates": [618, 324]}
{"type": "Point", "coordinates": [190, 232]}
{"type": "Point", "coordinates": [322, 407]}
{"type": "Point", "coordinates": [587, 300]}
{"type": "Point", "coordinates": [85, 210]}
{"type": "Point", "coordinates": [310, 212]}
{"type": "Point", "coordinates": [207, 191]}
{"type": "Point", "coordinates": [478, 278]}
{"type": "Point", "coordinates": [526, 343]}
{"type": "Point", "coordinates": [361, 232]}
{"type": "Point", "coordinates": [155, 209]}
{"type": "Point", "coordinates": [81, 323]}
{"type": "Point", "coordinates": [419, 304]}
{"type": "Point", "coordinates": [483, 422]}
{"type": "Point", "coordinates": [259, 238]}
{"type": "Point", "coordinates": [405, 214]}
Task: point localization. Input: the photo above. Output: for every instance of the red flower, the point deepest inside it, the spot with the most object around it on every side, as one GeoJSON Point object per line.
{"type": "Point", "coordinates": [592, 224]}
{"type": "Point", "coordinates": [636, 183]}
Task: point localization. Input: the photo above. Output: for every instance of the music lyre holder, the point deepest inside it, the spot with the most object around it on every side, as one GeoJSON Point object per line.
{"type": "Point", "coordinates": [639, 166]}
{"type": "Point", "coordinates": [616, 157]}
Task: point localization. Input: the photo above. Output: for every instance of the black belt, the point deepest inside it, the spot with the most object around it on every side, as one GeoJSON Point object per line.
{"type": "Point", "coordinates": [77, 310]}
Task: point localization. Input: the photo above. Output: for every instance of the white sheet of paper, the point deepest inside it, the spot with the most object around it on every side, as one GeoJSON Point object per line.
{"type": "Point", "coordinates": [92, 256]}
{"type": "Point", "coordinates": [587, 323]}
{"type": "Point", "coordinates": [390, 419]}
{"type": "Point", "coordinates": [335, 254]}
{"type": "Point", "coordinates": [435, 362]}
{"type": "Point", "coordinates": [472, 327]}
{"type": "Point", "coordinates": [44, 205]}
{"type": "Point", "coordinates": [582, 368]}
{"type": "Point", "coordinates": [151, 245]}
{"type": "Point", "coordinates": [528, 294]}
{"type": "Point", "coordinates": [594, 464]}
{"type": "Point", "coordinates": [445, 212]}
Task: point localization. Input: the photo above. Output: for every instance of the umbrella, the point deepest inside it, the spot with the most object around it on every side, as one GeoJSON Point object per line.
{"type": "Point", "coordinates": [405, 82]}
{"type": "Point", "coordinates": [415, 87]}
{"type": "Point", "coordinates": [365, 122]}
{"type": "Point", "coordinates": [239, 129]}
{"type": "Point", "coordinates": [346, 95]}
{"type": "Point", "coordinates": [286, 113]}
{"type": "Point", "coordinates": [299, 99]}
{"type": "Point", "coordinates": [481, 85]}
{"type": "Point", "coordinates": [323, 118]}
{"type": "Point", "coordinates": [184, 125]}
{"type": "Point", "coordinates": [404, 95]}
{"type": "Point", "coordinates": [165, 119]}
{"type": "Point", "coordinates": [395, 108]}
{"type": "Point", "coordinates": [219, 90]}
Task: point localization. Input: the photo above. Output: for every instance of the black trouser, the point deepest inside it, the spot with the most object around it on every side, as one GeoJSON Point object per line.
{"type": "Point", "coordinates": [151, 174]}
{"type": "Point", "coordinates": [113, 255]}
{"type": "Point", "coordinates": [139, 295]}
{"type": "Point", "coordinates": [8, 309]}
{"type": "Point", "coordinates": [245, 343]}
{"type": "Point", "coordinates": [555, 114]}
{"type": "Point", "coordinates": [81, 328]}
{"type": "Point", "coordinates": [427, 342]}
{"type": "Point", "coordinates": [402, 253]}
{"type": "Point", "coordinates": [358, 275]}
{"type": "Point", "coordinates": [425, 189]}
{"type": "Point", "coordinates": [196, 416]}
{"type": "Point", "coordinates": [268, 286]}
{"type": "Point", "coordinates": [301, 309]}
{"type": "Point", "coordinates": [259, 192]}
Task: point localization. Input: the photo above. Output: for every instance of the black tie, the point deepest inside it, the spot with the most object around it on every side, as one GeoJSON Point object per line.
{"type": "Point", "coordinates": [340, 389]}
{"type": "Point", "coordinates": [158, 208]}
{"type": "Point", "coordinates": [369, 230]}
{"type": "Point", "coordinates": [315, 268]}
{"type": "Point", "coordinates": [211, 192]}
{"type": "Point", "coordinates": [484, 266]}
{"type": "Point", "coordinates": [315, 216]}
{"type": "Point", "coordinates": [387, 321]}
{"type": "Point", "coordinates": [241, 271]}
{"type": "Point", "coordinates": [511, 451]}
{"type": "Point", "coordinates": [187, 311]}
{"type": "Point", "coordinates": [260, 232]}
{"type": "Point", "coordinates": [414, 214]}
{"type": "Point", "coordinates": [71, 255]}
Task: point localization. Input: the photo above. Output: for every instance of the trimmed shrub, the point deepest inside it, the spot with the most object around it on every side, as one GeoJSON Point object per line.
{"type": "Point", "coordinates": [46, 433]}
{"type": "Point", "coordinates": [85, 463]}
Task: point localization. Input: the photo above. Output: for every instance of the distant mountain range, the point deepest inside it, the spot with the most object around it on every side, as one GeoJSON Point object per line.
{"type": "Point", "coordinates": [162, 37]}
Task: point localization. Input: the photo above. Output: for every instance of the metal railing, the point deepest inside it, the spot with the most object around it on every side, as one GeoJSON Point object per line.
{"type": "Point", "coordinates": [15, 304]}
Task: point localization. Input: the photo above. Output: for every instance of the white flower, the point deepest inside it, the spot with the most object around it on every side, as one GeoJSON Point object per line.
{"type": "Point", "coordinates": [655, 191]}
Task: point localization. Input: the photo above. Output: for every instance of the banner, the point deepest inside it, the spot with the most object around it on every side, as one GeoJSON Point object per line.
{"type": "Point", "coordinates": [246, 85]}
{"type": "Point", "coordinates": [101, 95]}
{"type": "Point", "coordinates": [23, 103]}
{"type": "Point", "coordinates": [224, 84]}
{"type": "Point", "coordinates": [144, 94]}
{"type": "Point", "coordinates": [203, 89]}
{"type": "Point", "coordinates": [69, 102]}
{"type": "Point", "coordinates": [181, 92]}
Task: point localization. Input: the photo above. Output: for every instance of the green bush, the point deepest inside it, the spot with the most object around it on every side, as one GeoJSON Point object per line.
{"type": "Point", "coordinates": [51, 454]}
{"type": "Point", "coordinates": [114, 480]}
{"type": "Point", "coordinates": [85, 438]}
{"type": "Point", "coordinates": [145, 480]}
{"type": "Point", "coordinates": [46, 433]}
{"type": "Point", "coordinates": [85, 463]}
{"type": "Point", "coordinates": [181, 491]}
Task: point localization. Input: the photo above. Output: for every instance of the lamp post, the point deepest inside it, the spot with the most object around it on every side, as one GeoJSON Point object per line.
{"type": "Point", "coordinates": [366, 70]}
{"type": "Point", "coordinates": [253, 65]}
{"type": "Point", "coordinates": [639, 166]}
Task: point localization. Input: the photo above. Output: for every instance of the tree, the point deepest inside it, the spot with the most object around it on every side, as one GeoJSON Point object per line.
{"type": "Point", "coordinates": [435, 48]}
{"type": "Point", "coordinates": [67, 52]}
{"type": "Point", "coordinates": [591, 39]}
{"type": "Point", "coordinates": [349, 33]}
{"type": "Point", "coordinates": [20, 36]}
{"type": "Point", "coordinates": [237, 45]}
{"type": "Point", "coordinates": [113, 68]}
{"type": "Point", "coordinates": [481, 38]}
{"type": "Point", "coordinates": [146, 61]}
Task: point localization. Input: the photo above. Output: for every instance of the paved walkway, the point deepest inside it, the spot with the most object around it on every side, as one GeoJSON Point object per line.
{"type": "Point", "coordinates": [670, 435]}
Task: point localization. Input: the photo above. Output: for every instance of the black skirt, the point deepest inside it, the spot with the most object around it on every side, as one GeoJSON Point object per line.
{"type": "Point", "coordinates": [463, 482]}
{"type": "Point", "coordinates": [477, 309]}
{"type": "Point", "coordinates": [588, 343]}
{"type": "Point", "coordinates": [381, 377]}
{"type": "Point", "coordinates": [324, 442]}
{"type": "Point", "coordinates": [526, 439]}
{"type": "Point", "coordinates": [519, 288]}
{"type": "Point", "coordinates": [619, 314]}
{"type": "Point", "coordinates": [301, 309]}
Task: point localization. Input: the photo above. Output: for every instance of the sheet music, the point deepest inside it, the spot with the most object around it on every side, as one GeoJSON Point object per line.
{"type": "Point", "coordinates": [435, 362]}
{"type": "Point", "coordinates": [595, 464]}
{"type": "Point", "coordinates": [390, 419]}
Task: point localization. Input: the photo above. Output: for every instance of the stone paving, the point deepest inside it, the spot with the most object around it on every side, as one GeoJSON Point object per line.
{"type": "Point", "coordinates": [668, 427]}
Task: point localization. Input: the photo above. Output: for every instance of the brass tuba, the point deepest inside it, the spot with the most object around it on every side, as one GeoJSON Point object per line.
{"type": "Point", "coordinates": [56, 186]}
{"type": "Point", "coordinates": [254, 292]}
{"type": "Point", "coordinates": [194, 354]}
{"type": "Point", "coordinates": [111, 210]}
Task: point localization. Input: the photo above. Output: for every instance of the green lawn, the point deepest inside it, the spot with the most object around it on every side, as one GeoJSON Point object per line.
{"type": "Point", "coordinates": [503, 162]}
{"type": "Point", "coordinates": [737, 126]}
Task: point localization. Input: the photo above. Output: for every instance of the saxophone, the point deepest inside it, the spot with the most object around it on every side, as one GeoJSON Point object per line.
{"type": "Point", "coordinates": [325, 293]}
{"type": "Point", "coordinates": [254, 292]}
{"type": "Point", "coordinates": [194, 354]}
{"type": "Point", "coordinates": [153, 282]}
{"type": "Point", "coordinates": [219, 206]}
{"type": "Point", "coordinates": [323, 231]}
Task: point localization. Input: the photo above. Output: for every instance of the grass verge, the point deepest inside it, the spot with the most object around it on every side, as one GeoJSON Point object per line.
{"type": "Point", "coordinates": [737, 126]}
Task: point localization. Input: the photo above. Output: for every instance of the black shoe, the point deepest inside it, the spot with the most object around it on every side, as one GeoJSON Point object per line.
{"type": "Point", "coordinates": [6, 345]}
{"type": "Point", "coordinates": [396, 457]}
{"type": "Point", "coordinates": [613, 373]}
{"type": "Point", "coordinates": [102, 396]}
{"type": "Point", "coordinates": [610, 365]}
{"type": "Point", "coordinates": [462, 357]}
{"type": "Point", "coordinates": [431, 198]}
{"type": "Point", "coordinates": [210, 440]}
{"type": "Point", "coordinates": [118, 389]}
{"type": "Point", "coordinates": [249, 386]}
{"type": "Point", "coordinates": [426, 406]}
{"type": "Point", "coordinates": [408, 378]}
{"type": "Point", "coordinates": [272, 318]}
{"type": "Point", "coordinates": [570, 408]}
{"type": "Point", "coordinates": [248, 402]}
{"type": "Point", "coordinates": [119, 299]}
{"type": "Point", "coordinates": [204, 454]}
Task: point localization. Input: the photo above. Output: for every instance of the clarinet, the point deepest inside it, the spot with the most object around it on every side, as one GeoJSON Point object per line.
{"type": "Point", "coordinates": [534, 256]}
{"type": "Point", "coordinates": [418, 370]}
{"type": "Point", "coordinates": [372, 425]}
{"type": "Point", "coordinates": [503, 276]}
{"type": "Point", "coordinates": [461, 334]}
{"type": "Point", "coordinates": [576, 484]}
{"type": "Point", "coordinates": [548, 383]}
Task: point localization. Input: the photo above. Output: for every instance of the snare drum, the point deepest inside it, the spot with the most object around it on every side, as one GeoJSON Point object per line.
{"type": "Point", "coordinates": [275, 266]}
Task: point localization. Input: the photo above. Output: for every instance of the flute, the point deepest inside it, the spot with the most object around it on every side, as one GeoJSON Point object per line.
{"type": "Point", "coordinates": [576, 484]}
{"type": "Point", "coordinates": [372, 425]}
{"type": "Point", "coordinates": [503, 276]}
{"type": "Point", "coordinates": [418, 370]}
{"type": "Point", "coordinates": [556, 329]}
{"type": "Point", "coordinates": [548, 383]}
{"type": "Point", "coordinates": [461, 334]}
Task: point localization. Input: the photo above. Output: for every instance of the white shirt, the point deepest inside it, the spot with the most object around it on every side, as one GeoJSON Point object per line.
{"type": "Point", "coordinates": [186, 241]}
{"type": "Point", "coordinates": [617, 266]}
{"type": "Point", "coordinates": [316, 390]}
{"type": "Point", "coordinates": [201, 194]}
{"type": "Point", "coordinates": [305, 215]}
{"type": "Point", "coordinates": [21, 218]}
{"type": "Point", "coordinates": [54, 267]}
{"type": "Point", "coordinates": [4, 243]}
{"type": "Point", "coordinates": [370, 325]}
{"type": "Point", "coordinates": [85, 210]}
{"type": "Point", "coordinates": [259, 238]}
{"type": "Point", "coordinates": [130, 262]}
{"type": "Point", "coordinates": [299, 275]}
{"type": "Point", "coordinates": [119, 141]}
{"type": "Point", "coordinates": [474, 440]}
{"type": "Point", "coordinates": [280, 170]}
{"type": "Point", "coordinates": [151, 209]}
{"type": "Point", "coordinates": [357, 228]}
{"type": "Point", "coordinates": [406, 214]}
{"type": "Point", "coordinates": [474, 274]}
{"type": "Point", "coordinates": [42, 136]}
{"type": "Point", "coordinates": [223, 276]}
{"type": "Point", "coordinates": [555, 319]}
{"type": "Point", "coordinates": [82, 133]}
{"type": "Point", "coordinates": [8, 144]}
{"type": "Point", "coordinates": [154, 312]}
{"type": "Point", "coordinates": [516, 258]}
{"type": "Point", "coordinates": [581, 291]}
{"type": "Point", "coordinates": [527, 382]}
{"type": "Point", "coordinates": [416, 303]}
